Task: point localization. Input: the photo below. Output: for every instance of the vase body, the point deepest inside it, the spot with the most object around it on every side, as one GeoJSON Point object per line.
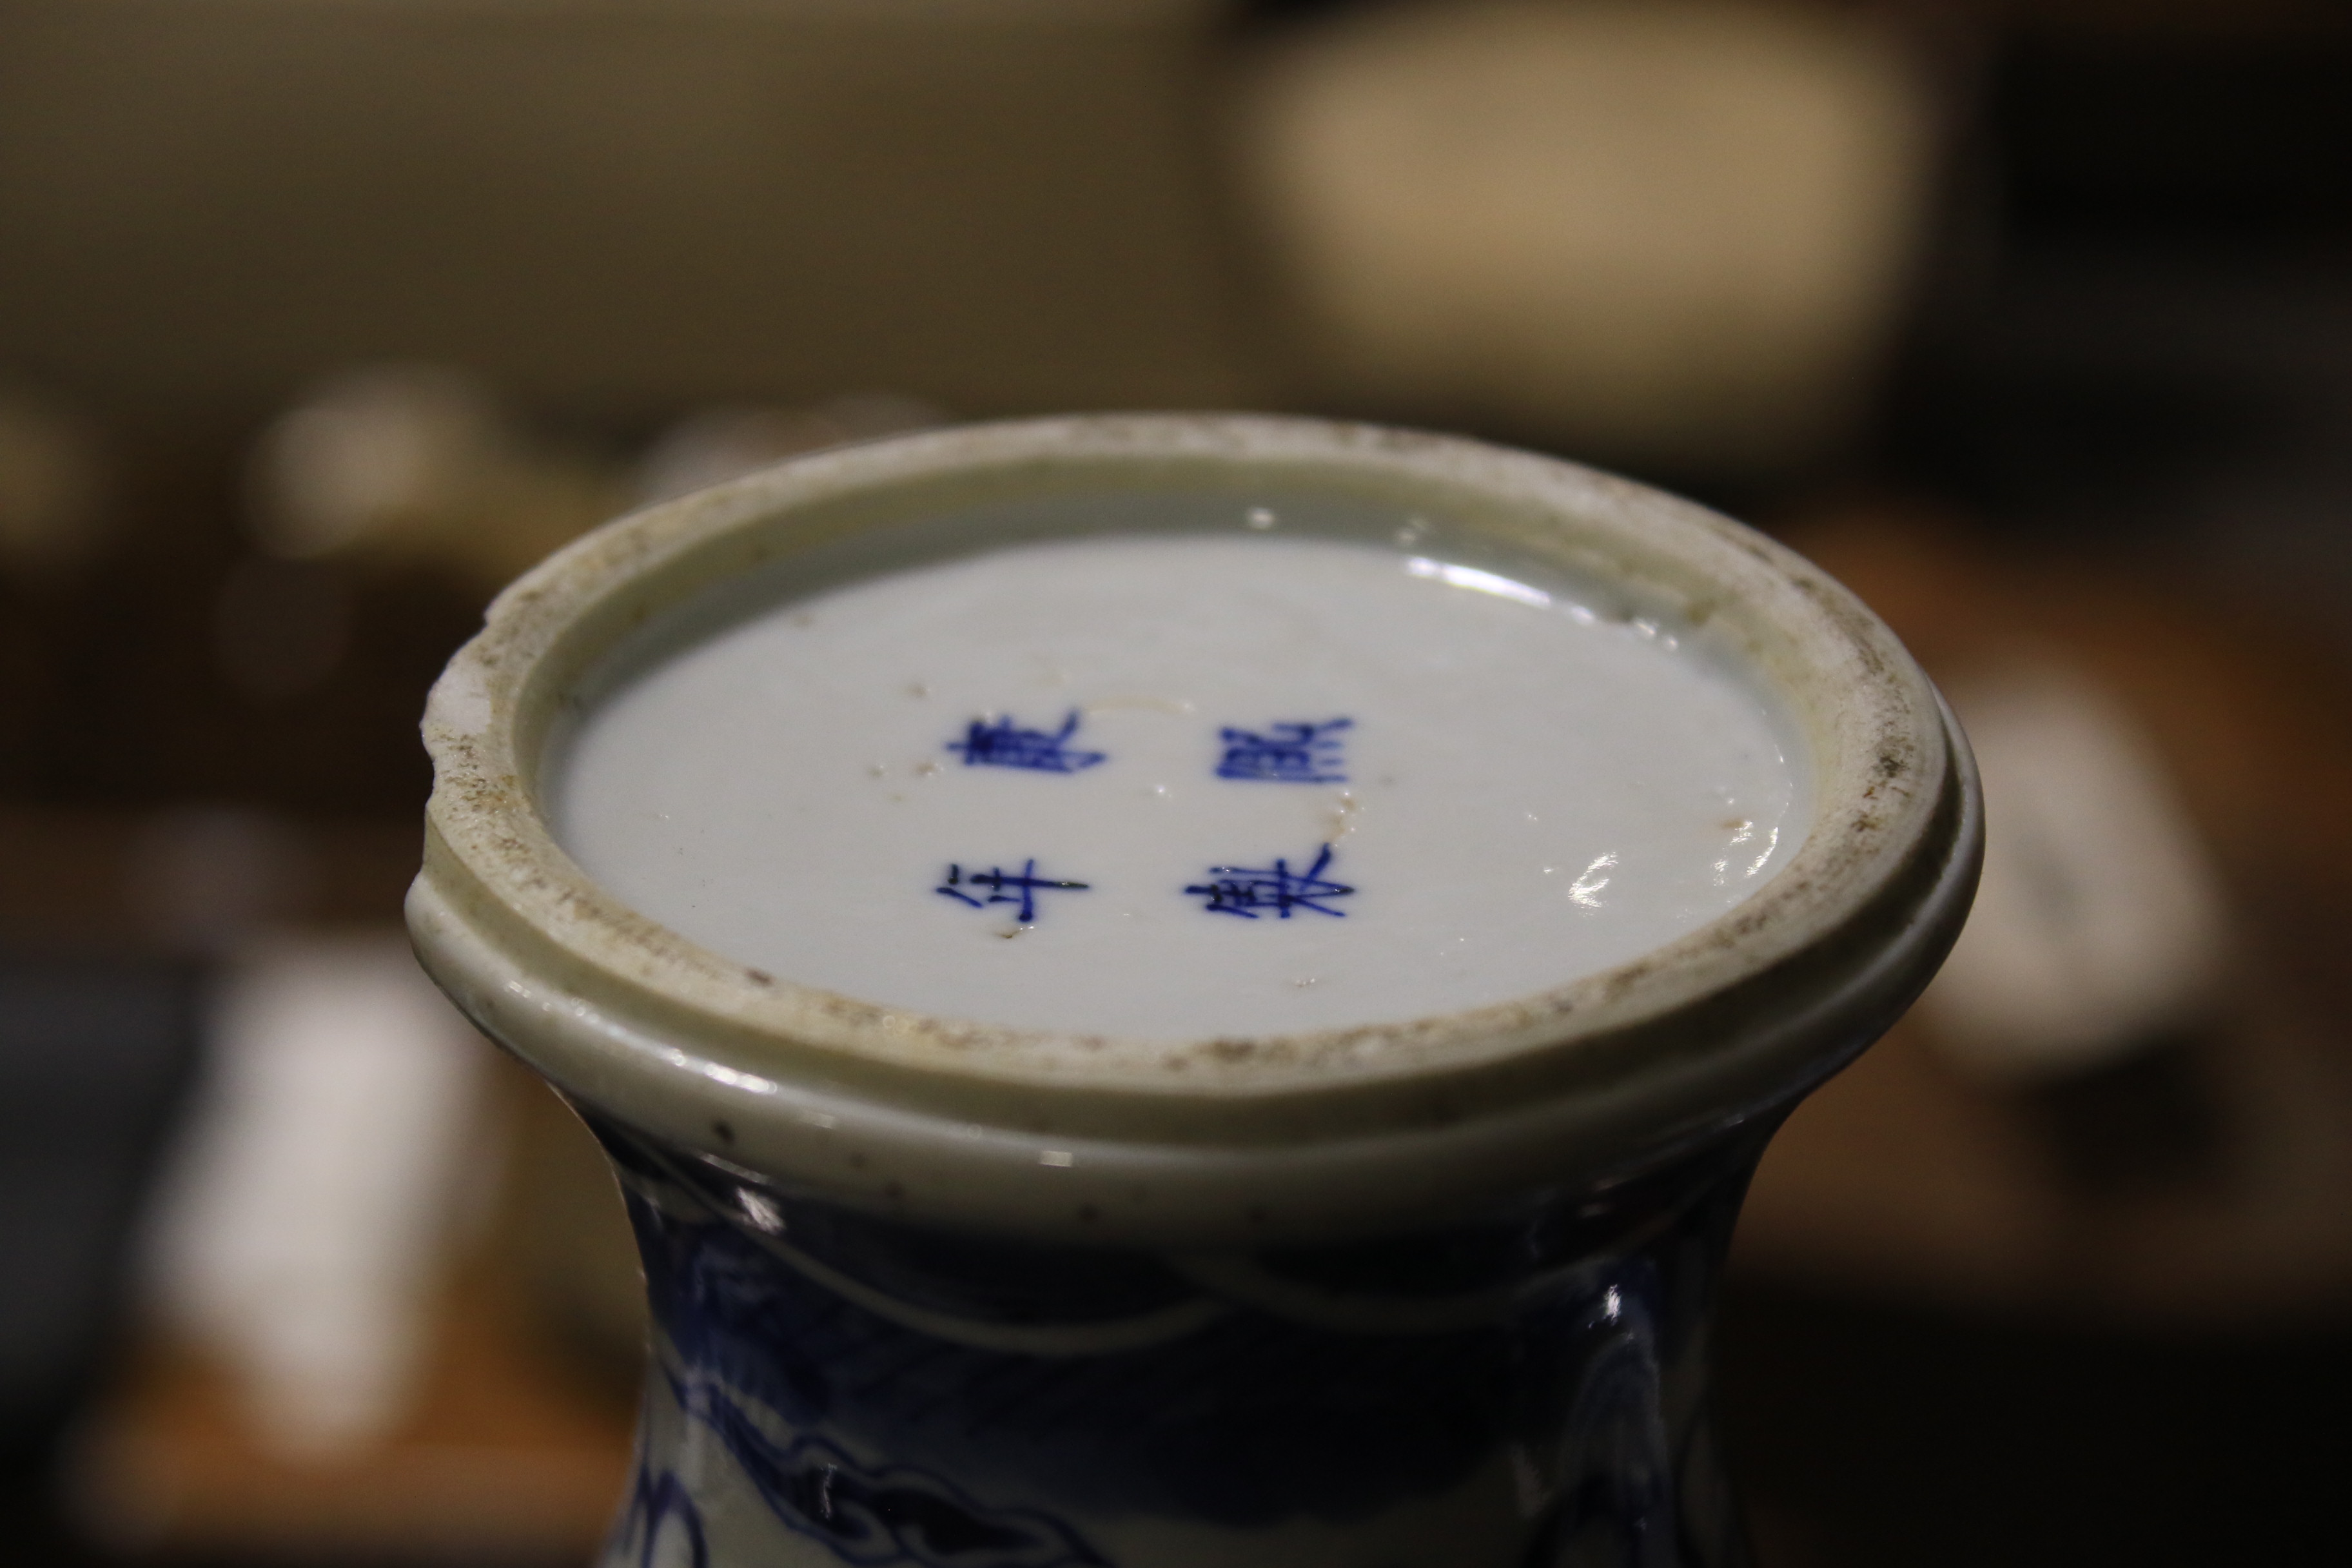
{"type": "Point", "coordinates": [1426, 1290]}
{"type": "Point", "coordinates": [1526, 1390]}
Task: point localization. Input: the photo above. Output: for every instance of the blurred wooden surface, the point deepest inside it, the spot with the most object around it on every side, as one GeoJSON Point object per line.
{"type": "Point", "coordinates": [506, 1454]}
{"type": "Point", "coordinates": [111, 880]}
{"type": "Point", "coordinates": [1905, 1178]}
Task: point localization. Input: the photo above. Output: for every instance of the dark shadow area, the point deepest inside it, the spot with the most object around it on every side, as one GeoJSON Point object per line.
{"type": "Point", "coordinates": [1919, 1436]}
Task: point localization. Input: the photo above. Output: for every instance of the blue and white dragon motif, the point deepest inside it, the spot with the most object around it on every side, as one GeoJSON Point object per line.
{"type": "Point", "coordinates": [890, 1516]}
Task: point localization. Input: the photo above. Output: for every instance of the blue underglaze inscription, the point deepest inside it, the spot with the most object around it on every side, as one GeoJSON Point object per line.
{"type": "Point", "coordinates": [1247, 891]}
{"type": "Point", "coordinates": [1003, 744]}
{"type": "Point", "coordinates": [1004, 886]}
{"type": "Point", "coordinates": [1286, 754]}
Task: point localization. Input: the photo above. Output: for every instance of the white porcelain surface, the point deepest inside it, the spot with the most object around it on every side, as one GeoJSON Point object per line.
{"type": "Point", "coordinates": [1478, 788]}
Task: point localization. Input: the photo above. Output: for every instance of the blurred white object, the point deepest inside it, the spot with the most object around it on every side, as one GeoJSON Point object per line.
{"type": "Point", "coordinates": [51, 474]}
{"type": "Point", "coordinates": [337, 1135]}
{"type": "Point", "coordinates": [371, 451]}
{"type": "Point", "coordinates": [713, 444]}
{"type": "Point", "coordinates": [1679, 230]}
{"type": "Point", "coordinates": [2099, 923]}
{"type": "Point", "coordinates": [419, 463]}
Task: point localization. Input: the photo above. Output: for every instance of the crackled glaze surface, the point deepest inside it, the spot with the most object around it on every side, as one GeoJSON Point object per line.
{"type": "Point", "coordinates": [1172, 787]}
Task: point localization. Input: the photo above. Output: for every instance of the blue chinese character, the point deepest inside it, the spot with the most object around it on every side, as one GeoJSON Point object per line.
{"type": "Point", "coordinates": [1003, 887]}
{"type": "Point", "coordinates": [1004, 744]}
{"type": "Point", "coordinates": [1243, 891]}
{"type": "Point", "coordinates": [1286, 754]}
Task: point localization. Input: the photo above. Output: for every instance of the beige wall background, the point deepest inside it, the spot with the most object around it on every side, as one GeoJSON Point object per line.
{"type": "Point", "coordinates": [620, 204]}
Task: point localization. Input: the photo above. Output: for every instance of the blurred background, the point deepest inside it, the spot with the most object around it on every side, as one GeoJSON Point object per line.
{"type": "Point", "coordinates": [2030, 319]}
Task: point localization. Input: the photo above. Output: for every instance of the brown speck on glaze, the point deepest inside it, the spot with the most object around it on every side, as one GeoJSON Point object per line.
{"type": "Point", "coordinates": [1624, 978]}
{"type": "Point", "coordinates": [893, 1192]}
{"type": "Point", "coordinates": [1740, 925]}
{"type": "Point", "coordinates": [724, 1132]}
{"type": "Point", "coordinates": [759, 977]}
